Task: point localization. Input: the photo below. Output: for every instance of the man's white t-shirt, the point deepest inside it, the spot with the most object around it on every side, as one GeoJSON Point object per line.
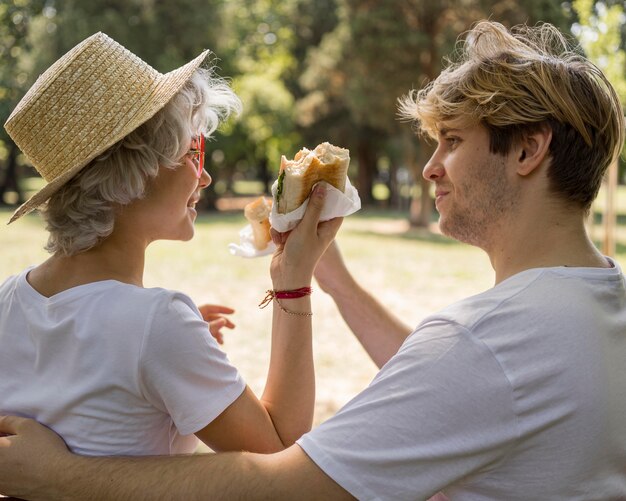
{"type": "Point", "coordinates": [518, 393]}
{"type": "Point", "coordinates": [113, 368]}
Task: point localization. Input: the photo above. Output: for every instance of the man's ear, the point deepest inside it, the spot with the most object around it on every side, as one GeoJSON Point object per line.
{"type": "Point", "coordinates": [532, 150]}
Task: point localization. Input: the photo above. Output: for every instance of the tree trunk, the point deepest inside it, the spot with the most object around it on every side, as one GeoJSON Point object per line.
{"type": "Point", "coordinates": [421, 205]}
{"type": "Point", "coordinates": [610, 216]}
{"type": "Point", "coordinates": [367, 157]}
{"type": "Point", "coordinates": [264, 175]}
{"type": "Point", "coordinates": [392, 184]}
{"type": "Point", "coordinates": [11, 180]}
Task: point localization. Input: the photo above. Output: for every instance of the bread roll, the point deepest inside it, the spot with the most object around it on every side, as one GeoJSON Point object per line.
{"type": "Point", "coordinates": [298, 176]}
{"type": "Point", "coordinates": [258, 213]}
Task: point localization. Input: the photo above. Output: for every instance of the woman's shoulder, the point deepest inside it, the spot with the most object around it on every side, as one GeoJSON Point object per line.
{"type": "Point", "coordinates": [151, 295]}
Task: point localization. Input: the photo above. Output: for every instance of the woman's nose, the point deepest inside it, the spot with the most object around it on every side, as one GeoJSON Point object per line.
{"type": "Point", "coordinates": [205, 179]}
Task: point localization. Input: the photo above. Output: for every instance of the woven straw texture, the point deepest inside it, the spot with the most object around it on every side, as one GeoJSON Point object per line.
{"type": "Point", "coordinates": [88, 100]}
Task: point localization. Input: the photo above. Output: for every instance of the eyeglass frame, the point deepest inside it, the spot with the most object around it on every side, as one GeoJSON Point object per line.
{"type": "Point", "coordinates": [197, 153]}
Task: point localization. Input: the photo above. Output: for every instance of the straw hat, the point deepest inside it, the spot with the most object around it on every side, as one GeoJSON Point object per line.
{"type": "Point", "coordinates": [88, 100]}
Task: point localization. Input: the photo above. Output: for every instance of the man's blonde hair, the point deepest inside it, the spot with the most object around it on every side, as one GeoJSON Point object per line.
{"type": "Point", "coordinates": [515, 82]}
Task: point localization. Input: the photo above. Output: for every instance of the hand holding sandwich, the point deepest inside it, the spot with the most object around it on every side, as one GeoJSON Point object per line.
{"type": "Point", "coordinates": [326, 164]}
{"type": "Point", "coordinates": [299, 250]}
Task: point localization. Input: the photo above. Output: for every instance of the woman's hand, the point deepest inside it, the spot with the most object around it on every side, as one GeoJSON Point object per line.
{"type": "Point", "coordinates": [214, 315]}
{"type": "Point", "coordinates": [299, 250]}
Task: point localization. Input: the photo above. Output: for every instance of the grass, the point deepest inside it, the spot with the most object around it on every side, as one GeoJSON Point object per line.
{"type": "Point", "coordinates": [414, 272]}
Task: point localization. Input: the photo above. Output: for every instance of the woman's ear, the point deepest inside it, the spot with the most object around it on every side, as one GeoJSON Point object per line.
{"type": "Point", "coordinates": [532, 150]}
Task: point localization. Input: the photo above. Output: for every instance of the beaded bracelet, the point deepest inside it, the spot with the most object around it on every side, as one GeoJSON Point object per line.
{"type": "Point", "coordinates": [292, 294]}
{"type": "Point", "coordinates": [299, 313]}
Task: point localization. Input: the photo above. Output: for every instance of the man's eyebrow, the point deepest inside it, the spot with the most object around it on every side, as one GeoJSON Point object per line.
{"type": "Point", "coordinates": [444, 131]}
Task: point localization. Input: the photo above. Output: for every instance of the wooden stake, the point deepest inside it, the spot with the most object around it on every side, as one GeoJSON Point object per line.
{"type": "Point", "coordinates": [610, 216]}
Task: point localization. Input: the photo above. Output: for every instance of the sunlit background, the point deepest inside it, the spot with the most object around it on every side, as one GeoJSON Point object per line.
{"type": "Point", "coordinates": [307, 71]}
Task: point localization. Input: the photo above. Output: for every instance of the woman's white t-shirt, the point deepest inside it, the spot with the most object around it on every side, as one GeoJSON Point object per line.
{"type": "Point", "coordinates": [113, 368]}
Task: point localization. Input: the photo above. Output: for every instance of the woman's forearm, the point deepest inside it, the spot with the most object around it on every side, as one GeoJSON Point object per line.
{"type": "Point", "coordinates": [289, 395]}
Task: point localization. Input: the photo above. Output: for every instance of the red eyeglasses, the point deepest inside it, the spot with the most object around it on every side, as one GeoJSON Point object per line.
{"type": "Point", "coordinates": [197, 153]}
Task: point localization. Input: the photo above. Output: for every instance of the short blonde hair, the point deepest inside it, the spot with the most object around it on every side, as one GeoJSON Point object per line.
{"type": "Point", "coordinates": [514, 82]}
{"type": "Point", "coordinates": [82, 213]}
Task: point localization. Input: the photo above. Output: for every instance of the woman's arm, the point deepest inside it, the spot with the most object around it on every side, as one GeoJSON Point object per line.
{"type": "Point", "coordinates": [377, 329]}
{"type": "Point", "coordinates": [285, 410]}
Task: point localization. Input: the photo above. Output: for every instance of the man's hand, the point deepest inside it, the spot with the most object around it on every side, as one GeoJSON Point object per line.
{"type": "Point", "coordinates": [331, 272]}
{"type": "Point", "coordinates": [28, 450]}
{"type": "Point", "coordinates": [214, 315]}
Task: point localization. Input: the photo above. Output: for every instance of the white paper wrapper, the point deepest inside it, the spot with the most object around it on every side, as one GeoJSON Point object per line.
{"type": "Point", "coordinates": [246, 247]}
{"type": "Point", "coordinates": [336, 204]}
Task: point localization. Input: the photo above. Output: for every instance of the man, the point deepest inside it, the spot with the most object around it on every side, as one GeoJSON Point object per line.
{"type": "Point", "coordinates": [517, 393]}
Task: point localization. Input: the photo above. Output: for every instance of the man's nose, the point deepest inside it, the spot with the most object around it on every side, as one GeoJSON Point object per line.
{"type": "Point", "coordinates": [433, 169]}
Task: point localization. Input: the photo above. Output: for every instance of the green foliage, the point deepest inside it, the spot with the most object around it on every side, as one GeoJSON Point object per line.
{"type": "Point", "coordinates": [260, 50]}
{"type": "Point", "coordinates": [381, 49]}
{"type": "Point", "coordinates": [16, 19]}
{"type": "Point", "coordinates": [598, 30]}
{"type": "Point", "coordinates": [166, 34]}
{"type": "Point", "coordinates": [306, 71]}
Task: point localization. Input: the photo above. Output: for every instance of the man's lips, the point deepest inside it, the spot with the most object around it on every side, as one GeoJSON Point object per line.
{"type": "Point", "coordinates": [439, 194]}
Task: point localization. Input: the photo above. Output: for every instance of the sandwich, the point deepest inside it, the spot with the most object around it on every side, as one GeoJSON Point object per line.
{"type": "Point", "coordinates": [298, 176]}
{"type": "Point", "coordinates": [258, 213]}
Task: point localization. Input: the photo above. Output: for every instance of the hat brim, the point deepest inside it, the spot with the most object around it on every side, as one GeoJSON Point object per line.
{"type": "Point", "coordinates": [166, 87]}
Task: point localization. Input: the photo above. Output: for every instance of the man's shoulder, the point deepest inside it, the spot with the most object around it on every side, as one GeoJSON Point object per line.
{"type": "Point", "coordinates": [470, 311]}
{"type": "Point", "coordinates": [523, 299]}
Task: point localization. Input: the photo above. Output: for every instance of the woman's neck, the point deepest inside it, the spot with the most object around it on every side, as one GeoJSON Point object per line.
{"type": "Point", "coordinates": [110, 260]}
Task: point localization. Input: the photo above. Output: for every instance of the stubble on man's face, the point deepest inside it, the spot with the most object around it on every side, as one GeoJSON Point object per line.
{"type": "Point", "coordinates": [483, 203]}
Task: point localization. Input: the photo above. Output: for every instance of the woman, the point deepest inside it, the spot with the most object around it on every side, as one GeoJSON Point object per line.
{"type": "Point", "coordinates": [113, 367]}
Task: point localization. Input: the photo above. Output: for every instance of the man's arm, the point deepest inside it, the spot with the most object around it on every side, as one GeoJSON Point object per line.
{"type": "Point", "coordinates": [376, 328]}
{"type": "Point", "coordinates": [36, 465]}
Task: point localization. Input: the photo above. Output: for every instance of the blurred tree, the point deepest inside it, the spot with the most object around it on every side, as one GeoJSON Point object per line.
{"type": "Point", "coordinates": [166, 34]}
{"type": "Point", "coordinates": [15, 21]}
{"type": "Point", "coordinates": [306, 71]}
{"type": "Point", "coordinates": [379, 50]}
{"type": "Point", "coordinates": [259, 45]}
{"type": "Point", "coordinates": [321, 110]}
{"type": "Point", "coordinates": [266, 43]}
{"type": "Point", "coordinates": [598, 30]}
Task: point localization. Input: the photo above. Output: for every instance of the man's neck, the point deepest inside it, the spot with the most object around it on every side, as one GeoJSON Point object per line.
{"type": "Point", "coordinates": [554, 240]}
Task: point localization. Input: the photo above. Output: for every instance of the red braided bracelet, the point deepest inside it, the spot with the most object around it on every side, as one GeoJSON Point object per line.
{"type": "Point", "coordinates": [293, 294]}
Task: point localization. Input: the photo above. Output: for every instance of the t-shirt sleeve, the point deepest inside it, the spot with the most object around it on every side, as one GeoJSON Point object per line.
{"type": "Point", "coordinates": [439, 410]}
{"type": "Point", "coordinates": [183, 371]}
